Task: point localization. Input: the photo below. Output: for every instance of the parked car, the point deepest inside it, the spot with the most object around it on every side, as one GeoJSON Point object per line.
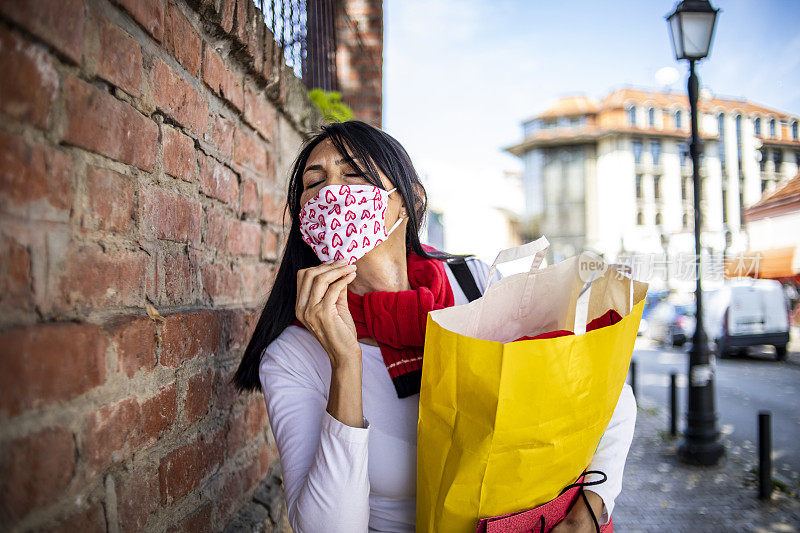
{"type": "Point", "coordinates": [651, 299]}
{"type": "Point", "coordinates": [748, 312]}
{"type": "Point", "coordinates": [671, 324]}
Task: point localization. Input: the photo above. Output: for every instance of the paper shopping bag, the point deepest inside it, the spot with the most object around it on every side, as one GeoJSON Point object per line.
{"type": "Point", "coordinates": [504, 425]}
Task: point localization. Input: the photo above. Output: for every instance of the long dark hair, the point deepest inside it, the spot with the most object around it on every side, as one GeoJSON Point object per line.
{"type": "Point", "coordinates": [374, 148]}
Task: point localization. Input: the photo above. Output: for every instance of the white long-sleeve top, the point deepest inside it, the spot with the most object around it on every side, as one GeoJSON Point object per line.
{"type": "Point", "coordinates": [341, 478]}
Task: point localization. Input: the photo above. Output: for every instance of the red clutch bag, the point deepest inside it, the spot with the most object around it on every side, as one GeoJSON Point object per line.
{"type": "Point", "coordinates": [543, 518]}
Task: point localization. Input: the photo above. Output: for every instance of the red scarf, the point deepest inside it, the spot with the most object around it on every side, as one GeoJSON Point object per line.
{"type": "Point", "coordinates": [397, 319]}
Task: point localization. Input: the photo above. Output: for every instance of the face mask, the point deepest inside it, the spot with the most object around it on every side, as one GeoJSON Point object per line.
{"type": "Point", "coordinates": [344, 222]}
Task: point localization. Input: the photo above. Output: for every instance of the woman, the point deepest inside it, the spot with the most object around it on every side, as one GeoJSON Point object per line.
{"type": "Point", "coordinates": [337, 350]}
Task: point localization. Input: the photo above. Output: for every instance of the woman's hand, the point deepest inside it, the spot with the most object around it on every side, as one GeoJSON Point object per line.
{"type": "Point", "coordinates": [322, 307]}
{"type": "Point", "coordinates": [578, 520]}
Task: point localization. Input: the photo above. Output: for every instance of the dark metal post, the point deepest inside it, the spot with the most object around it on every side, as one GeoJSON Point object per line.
{"type": "Point", "coordinates": [673, 404]}
{"type": "Point", "coordinates": [764, 455]}
{"type": "Point", "coordinates": [633, 376]}
{"type": "Point", "coordinates": [700, 444]}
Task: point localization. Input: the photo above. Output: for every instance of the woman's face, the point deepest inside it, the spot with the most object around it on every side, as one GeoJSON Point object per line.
{"type": "Point", "coordinates": [325, 166]}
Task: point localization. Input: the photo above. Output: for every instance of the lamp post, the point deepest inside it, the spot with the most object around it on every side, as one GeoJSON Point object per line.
{"type": "Point", "coordinates": [692, 29]}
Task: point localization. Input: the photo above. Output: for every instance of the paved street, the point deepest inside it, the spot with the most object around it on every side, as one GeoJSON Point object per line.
{"type": "Point", "coordinates": [660, 493]}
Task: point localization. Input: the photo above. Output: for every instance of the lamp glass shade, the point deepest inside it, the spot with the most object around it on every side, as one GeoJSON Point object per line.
{"type": "Point", "coordinates": [692, 31]}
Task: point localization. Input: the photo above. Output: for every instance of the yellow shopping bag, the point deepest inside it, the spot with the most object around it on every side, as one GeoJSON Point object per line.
{"type": "Point", "coordinates": [504, 426]}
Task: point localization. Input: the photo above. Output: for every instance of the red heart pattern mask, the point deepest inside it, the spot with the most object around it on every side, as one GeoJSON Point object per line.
{"type": "Point", "coordinates": [344, 222]}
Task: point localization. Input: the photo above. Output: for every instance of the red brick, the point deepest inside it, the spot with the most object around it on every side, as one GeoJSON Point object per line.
{"type": "Point", "coordinates": [178, 154]}
{"type": "Point", "coordinates": [99, 122]}
{"type": "Point", "coordinates": [234, 433]}
{"type": "Point", "coordinates": [110, 199]}
{"type": "Point", "coordinates": [218, 181]}
{"type": "Point", "coordinates": [95, 277]}
{"type": "Point", "coordinates": [185, 468]}
{"type": "Point", "coordinates": [256, 280]}
{"type": "Point", "coordinates": [178, 277]}
{"type": "Point", "coordinates": [255, 417]}
{"type": "Point", "coordinates": [224, 392]}
{"type": "Point", "coordinates": [90, 519]}
{"type": "Point", "coordinates": [181, 39]}
{"type": "Point", "coordinates": [35, 469]}
{"type": "Point", "coordinates": [198, 397]}
{"type": "Point", "coordinates": [240, 29]}
{"type": "Point", "coordinates": [158, 413]}
{"type": "Point", "coordinates": [120, 59]}
{"type": "Point", "coordinates": [170, 216]}
{"type": "Point", "coordinates": [137, 498]}
{"type": "Point", "coordinates": [221, 283]}
{"type": "Point", "coordinates": [30, 80]}
{"type": "Point", "coordinates": [249, 151]}
{"type": "Point", "coordinates": [35, 180]}
{"type": "Point", "coordinates": [244, 238]}
{"type": "Point", "coordinates": [269, 245]}
{"type": "Point", "coordinates": [265, 458]}
{"type": "Point", "coordinates": [272, 208]}
{"type": "Point", "coordinates": [250, 200]}
{"type": "Point", "coordinates": [239, 326]}
{"type": "Point", "coordinates": [135, 340]}
{"type": "Point", "coordinates": [16, 277]}
{"type": "Point", "coordinates": [221, 79]}
{"type": "Point", "coordinates": [221, 136]}
{"type": "Point", "coordinates": [189, 335]}
{"type": "Point", "coordinates": [60, 23]}
{"type": "Point", "coordinates": [217, 234]}
{"type": "Point", "coordinates": [235, 490]}
{"type": "Point", "coordinates": [49, 362]}
{"type": "Point", "coordinates": [227, 10]}
{"type": "Point", "coordinates": [258, 113]}
{"type": "Point", "coordinates": [178, 98]}
{"type": "Point", "coordinates": [148, 13]}
{"type": "Point", "coordinates": [115, 432]}
{"type": "Point", "coordinates": [255, 39]}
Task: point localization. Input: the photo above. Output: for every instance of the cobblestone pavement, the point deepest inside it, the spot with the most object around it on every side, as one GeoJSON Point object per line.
{"type": "Point", "coordinates": [659, 493]}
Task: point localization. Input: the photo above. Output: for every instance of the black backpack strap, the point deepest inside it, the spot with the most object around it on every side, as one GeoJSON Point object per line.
{"type": "Point", "coordinates": [464, 278]}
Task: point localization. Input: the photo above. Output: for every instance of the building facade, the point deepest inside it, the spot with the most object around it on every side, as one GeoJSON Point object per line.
{"type": "Point", "coordinates": [615, 175]}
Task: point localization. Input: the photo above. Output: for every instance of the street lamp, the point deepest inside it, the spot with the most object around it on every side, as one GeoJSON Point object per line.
{"type": "Point", "coordinates": [692, 29]}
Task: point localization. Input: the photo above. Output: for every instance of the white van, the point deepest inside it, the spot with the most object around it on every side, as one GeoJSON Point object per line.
{"type": "Point", "coordinates": [748, 312]}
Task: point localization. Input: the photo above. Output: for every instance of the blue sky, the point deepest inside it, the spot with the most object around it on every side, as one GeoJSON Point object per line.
{"type": "Point", "coordinates": [461, 75]}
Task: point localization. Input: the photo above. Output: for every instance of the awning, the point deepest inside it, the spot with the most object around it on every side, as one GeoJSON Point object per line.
{"type": "Point", "coordinates": [774, 263]}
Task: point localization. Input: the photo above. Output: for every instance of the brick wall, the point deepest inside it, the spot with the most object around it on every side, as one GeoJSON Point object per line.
{"type": "Point", "coordinates": [144, 148]}
{"type": "Point", "coordinates": [359, 58]}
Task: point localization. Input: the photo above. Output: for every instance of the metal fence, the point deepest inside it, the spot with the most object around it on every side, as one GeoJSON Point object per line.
{"type": "Point", "coordinates": [306, 32]}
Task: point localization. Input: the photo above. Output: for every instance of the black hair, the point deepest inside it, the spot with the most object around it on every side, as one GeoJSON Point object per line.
{"type": "Point", "coordinates": [371, 147]}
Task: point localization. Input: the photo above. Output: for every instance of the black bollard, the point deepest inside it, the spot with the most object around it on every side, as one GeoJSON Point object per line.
{"type": "Point", "coordinates": [633, 376]}
{"type": "Point", "coordinates": [764, 455]}
{"type": "Point", "coordinates": [673, 404]}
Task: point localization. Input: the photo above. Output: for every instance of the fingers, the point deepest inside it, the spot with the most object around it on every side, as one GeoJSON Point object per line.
{"type": "Point", "coordinates": [323, 280]}
{"type": "Point", "coordinates": [336, 288]}
{"type": "Point", "coordinates": [306, 282]}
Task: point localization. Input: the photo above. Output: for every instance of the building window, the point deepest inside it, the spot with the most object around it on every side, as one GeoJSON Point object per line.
{"type": "Point", "coordinates": [739, 139]}
{"type": "Point", "coordinates": [684, 188]}
{"type": "Point", "coordinates": [637, 151]}
{"type": "Point", "coordinates": [797, 159]}
{"type": "Point", "coordinates": [757, 126]}
{"type": "Point", "coordinates": [683, 153]}
{"type": "Point", "coordinates": [639, 218]}
{"type": "Point", "coordinates": [721, 129]}
{"type": "Point", "coordinates": [655, 150]}
{"type": "Point", "coordinates": [651, 117]}
{"type": "Point", "coordinates": [794, 130]}
{"type": "Point", "coordinates": [762, 162]}
{"type": "Point", "coordinates": [685, 220]}
{"type": "Point", "coordinates": [657, 187]}
{"type": "Point", "coordinates": [632, 115]}
{"type": "Point", "coordinates": [724, 205]}
{"type": "Point", "coordinates": [678, 119]}
{"type": "Point", "coordinates": [658, 218]}
{"type": "Point", "coordinates": [764, 184]}
{"type": "Point", "coordinates": [772, 131]}
{"type": "Point", "coordinates": [639, 194]}
{"type": "Point", "coordinates": [777, 159]}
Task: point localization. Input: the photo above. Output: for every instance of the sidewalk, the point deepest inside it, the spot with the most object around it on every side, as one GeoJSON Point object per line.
{"type": "Point", "coordinates": [659, 493]}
